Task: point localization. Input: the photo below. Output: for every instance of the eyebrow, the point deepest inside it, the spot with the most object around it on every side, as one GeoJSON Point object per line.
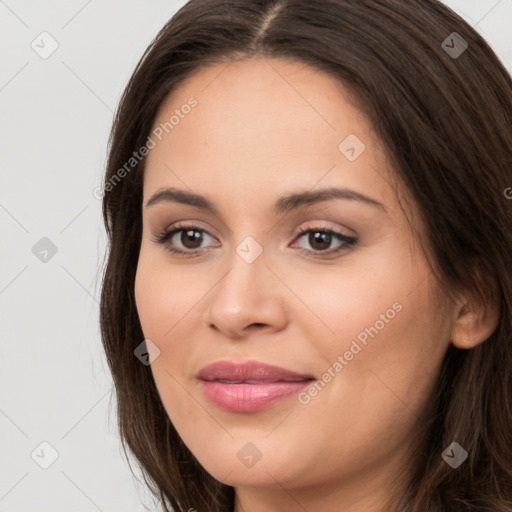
{"type": "Point", "coordinates": [285, 203]}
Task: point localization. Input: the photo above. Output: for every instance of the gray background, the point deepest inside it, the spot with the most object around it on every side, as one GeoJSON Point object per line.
{"type": "Point", "coordinates": [56, 115]}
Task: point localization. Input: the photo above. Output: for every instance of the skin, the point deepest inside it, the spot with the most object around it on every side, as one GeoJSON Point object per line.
{"type": "Point", "coordinates": [263, 129]}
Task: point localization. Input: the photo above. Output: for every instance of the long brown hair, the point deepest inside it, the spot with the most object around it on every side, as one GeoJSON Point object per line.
{"type": "Point", "coordinates": [443, 111]}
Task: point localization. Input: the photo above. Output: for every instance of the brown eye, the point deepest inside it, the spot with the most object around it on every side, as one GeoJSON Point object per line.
{"type": "Point", "coordinates": [184, 240]}
{"type": "Point", "coordinates": [191, 238]}
{"type": "Point", "coordinates": [319, 240]}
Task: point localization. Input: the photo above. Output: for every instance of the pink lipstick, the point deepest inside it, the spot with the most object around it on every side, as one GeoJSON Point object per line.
{"type": "Point", "coordinates": [250, 386]}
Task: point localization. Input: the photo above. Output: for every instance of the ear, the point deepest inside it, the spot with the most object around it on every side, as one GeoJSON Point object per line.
{"type": "Point", "coordinates": [475, 321]}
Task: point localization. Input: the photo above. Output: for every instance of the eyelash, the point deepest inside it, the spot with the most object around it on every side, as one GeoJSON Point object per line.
{"type": "Point", "coordinates": [163, 237]}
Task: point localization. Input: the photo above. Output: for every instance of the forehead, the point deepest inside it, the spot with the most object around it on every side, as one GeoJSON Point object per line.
{"type": "Point", "coordinates": [257, 95]}
{"type": "Point", "coordinates": [265, 124]}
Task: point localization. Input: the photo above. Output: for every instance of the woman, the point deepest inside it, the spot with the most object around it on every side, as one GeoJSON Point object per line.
{"type": "Point", "coordinates": [309, 228]}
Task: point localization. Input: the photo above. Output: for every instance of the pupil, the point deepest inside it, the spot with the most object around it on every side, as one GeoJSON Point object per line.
{"type": "Point", "coordinates": [324, 239]}
{"type": "Point", "coordinates": [193, 236]}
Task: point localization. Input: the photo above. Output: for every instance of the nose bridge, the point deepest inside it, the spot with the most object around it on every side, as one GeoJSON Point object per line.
{"type": "Point", "coordinates": [246, 275]}
{"type": "Point", "coordinates": [245, 294]}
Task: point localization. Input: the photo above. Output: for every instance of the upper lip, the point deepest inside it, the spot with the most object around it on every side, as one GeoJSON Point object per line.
{"type": "Point", "coordinates": [249, 371]}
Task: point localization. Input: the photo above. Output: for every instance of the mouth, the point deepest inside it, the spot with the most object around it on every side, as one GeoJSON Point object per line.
{"type": "Point", "coordinates": [253, 381]}
{"type": "Point", "coordinates": [250, 386]}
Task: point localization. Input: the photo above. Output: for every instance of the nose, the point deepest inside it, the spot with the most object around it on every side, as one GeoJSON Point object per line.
{"type": "Point", "coordinates": [247, 298]}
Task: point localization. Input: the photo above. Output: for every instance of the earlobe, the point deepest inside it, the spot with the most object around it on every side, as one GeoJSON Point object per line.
{"type": "Point", "coordinates": [474, 324]}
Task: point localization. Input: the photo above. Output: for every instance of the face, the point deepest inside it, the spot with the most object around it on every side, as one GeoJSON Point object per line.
{"type": "Point", "coordinates": [268, 267]}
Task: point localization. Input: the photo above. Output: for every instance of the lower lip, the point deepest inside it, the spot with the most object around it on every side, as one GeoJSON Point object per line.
{"type": "Point", "coordinates": [250, 397]}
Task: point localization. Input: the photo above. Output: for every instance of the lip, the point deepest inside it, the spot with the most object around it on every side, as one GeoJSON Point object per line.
{"type": "Point", "coordinates": [249, 386]}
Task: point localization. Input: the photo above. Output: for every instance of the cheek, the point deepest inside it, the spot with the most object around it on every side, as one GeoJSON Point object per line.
{"type": "Point", "coordinates": [358, 298]}
{"type": "Point", "coordinates": [165, 301]}
{"type": "Point", "coordinates": [382, 363]}
{"type": "Point", "coordinates": [163, 295]}
{"type": "Point", "coordinates": [170, 302]}
{"type": "Point", "coordinates": [377, 377]}
{"type": "Point", "coordinates": [374, 335]}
